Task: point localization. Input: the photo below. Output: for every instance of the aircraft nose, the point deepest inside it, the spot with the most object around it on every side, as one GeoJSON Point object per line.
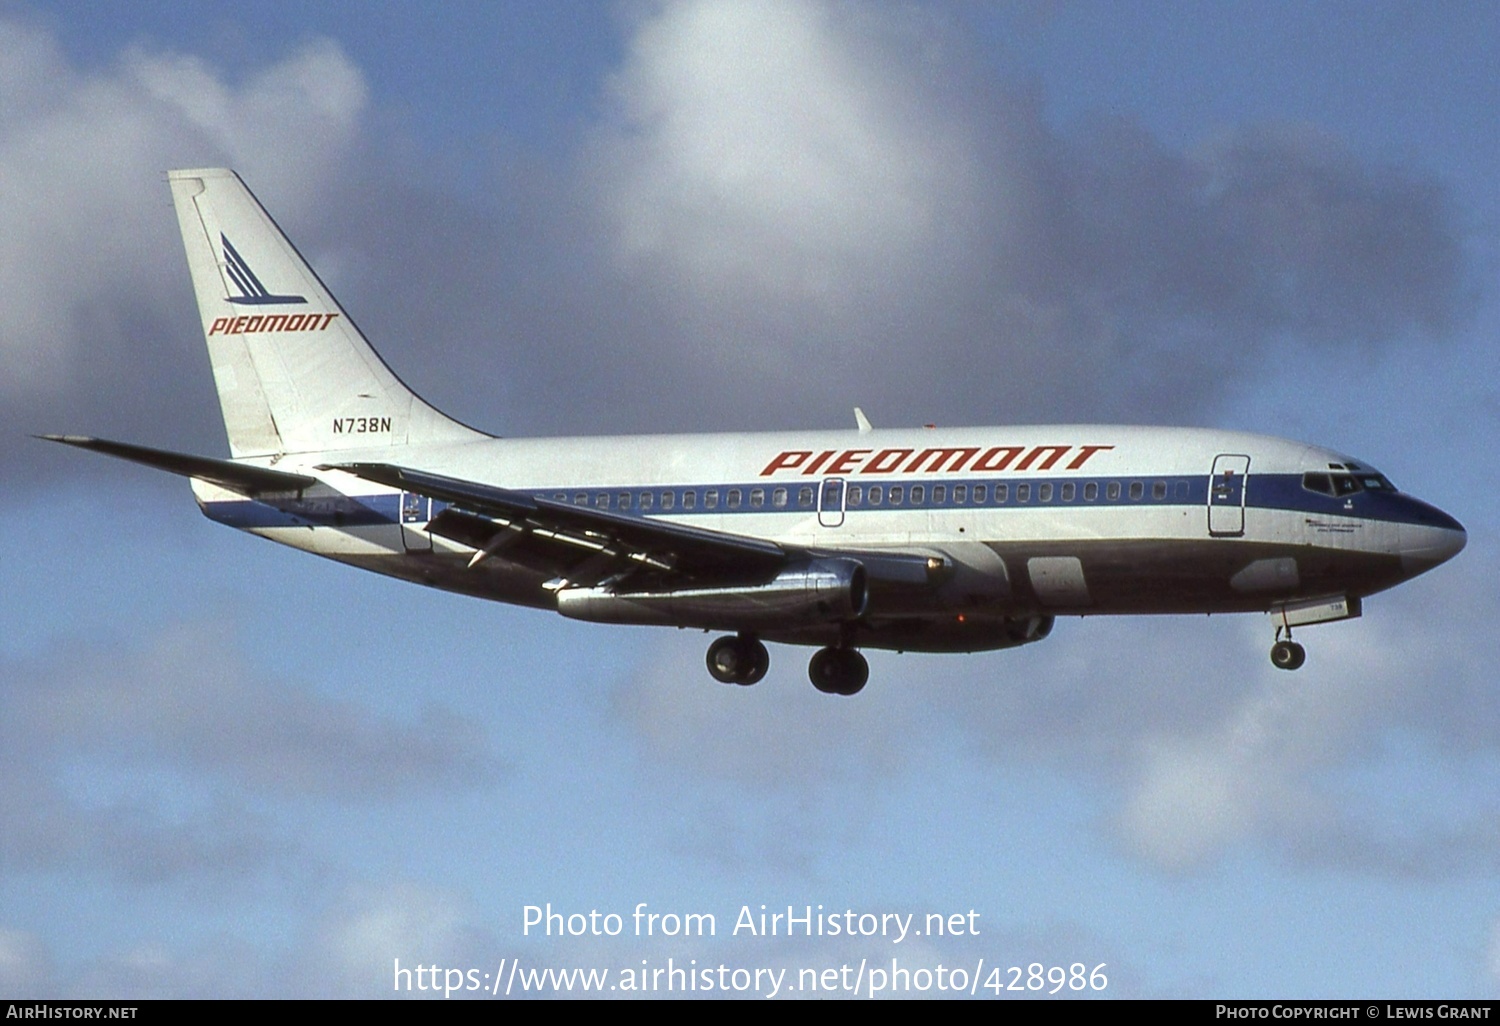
{"type": "Point", "coordinates": [1435, 539]}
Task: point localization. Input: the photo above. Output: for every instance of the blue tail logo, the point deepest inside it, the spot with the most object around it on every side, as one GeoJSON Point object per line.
{"type": "Point", "coordinates": [252, 292]}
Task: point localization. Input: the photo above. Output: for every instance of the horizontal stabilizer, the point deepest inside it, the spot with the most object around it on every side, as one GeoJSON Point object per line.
{"type": "Point", "coordinates": [239, 477]}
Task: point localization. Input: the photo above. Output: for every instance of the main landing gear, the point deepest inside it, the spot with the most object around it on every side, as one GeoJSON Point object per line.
{"type": "Point", "coordinates": [742, 659]}
{"type": "Point", "coordinates": [739, 659]}
{"type": "Point", "coordinates": [1287, 654]}
{"type": "Point", "coordinates": [838, 671]}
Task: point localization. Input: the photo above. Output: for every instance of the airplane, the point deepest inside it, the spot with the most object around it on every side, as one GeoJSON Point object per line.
{"type": "Point", "coordinates": [919, 540]}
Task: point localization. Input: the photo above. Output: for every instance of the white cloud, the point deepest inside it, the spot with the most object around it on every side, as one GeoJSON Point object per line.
{"type": "Point", "coordinates": [153, 764]}
{"type": "Point", "coordinates": [842, 189]}
{"type": "Point", "coordinates": [25, 965]}
{"type": "Point", "coordinates": [345, 949]}
{"type": "Point", "coordinates": [1236, 778]}
{"type": "Point", "coordinates": [88, 254]}
{"type": "Point", "coordinates": [1200, 746]}
{"type": "Point", "coordinates": [1281, 766]}
{"type": "Point", "coordinates": [355, 946]}
{"type": "Point", "coordinates": [786, 151]}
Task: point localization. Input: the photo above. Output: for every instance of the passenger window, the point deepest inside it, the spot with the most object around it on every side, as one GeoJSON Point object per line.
{"type": "Point", "coordinates": [854, 496]}
{"type": "Point", "coordinates": [1112, 491]}
{"type": "Point", "coordinates": [646, 498]}
{"type": "Point", "coordinates": [689, 499]}
{"type": "Point", "coordinates": [666, 499]}
{"type": "Point", "coordinates": [1044, 493]}
{"type": "Point", "coordinates": [960, 495]}
{"type": "Point", "coordinates": [602, 500]}
{"type": "Point", "coordinates": [1137, 491]}
{"type": "Point", "coordinates": [580, 499]}
{"type": "Point", "coordinates": [711, 498]}
{"type": "Point", "coordinates": [778, 498]}
{"type": "Point", "coordinates": [939, 494]}
{"type": "Point", "coordinates": [874, 495]}
{"type": "Point", "coordinates": [1068, 491]}
{"type": "Point", "coordinates": [979, 495]}
{"type": "Point", "coordinates": [757, 498]}
{"type": "Point", "coordinates": [805, 496]}
{"type": "Point", "coordinates": [1002, 494]}
{"type": "Point", "coordinates": [1023, 493]}
{"type": "Point", "coordinates": [918, 493]}
{"type": "Point", "coordinates": [733, 498]}
{"type": "Point", "coordinates": [896, 495]}
{"type": "Point", "coordinates": [1159, 490]}
{"type": "Point", "coordinates": [624, 500]}
{"type": "Point", "coordinates": [1091, 491]}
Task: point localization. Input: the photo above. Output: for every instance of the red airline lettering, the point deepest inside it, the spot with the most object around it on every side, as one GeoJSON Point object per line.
{"type": "Point", "coordinates": [261, 323]}
{"type": "Point", "coordinates": [1085, 453]}
{"type": "Point", "coordinates": [997, 458]}
{"type": "Point", "coordinates": [788, 460]}
{"type": "Point", "coordinates": [936, 458]}
{"type": "Point", "coordinates": [886, 461]}
{"type": "Point", "coordinates": [822, 459]}
{"type": "Point", "coordinates": [1047, 464]}
{"type": "Point", "coordinates": [845, 463]}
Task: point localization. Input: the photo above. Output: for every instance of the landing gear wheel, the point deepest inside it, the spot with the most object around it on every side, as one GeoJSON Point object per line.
{"type": "Point", "coordinates": [739, 659]}
{"type": "Point", "coordinates": [1288, 655]}
{"type": "Point", "coordinates": [838, 671]}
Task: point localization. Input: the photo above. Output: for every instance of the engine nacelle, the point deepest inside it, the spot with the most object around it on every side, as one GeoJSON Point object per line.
{"type": "Point", "coordinates": [1022, 630]}
{"type": "Point", "coordinates": [819, 591]}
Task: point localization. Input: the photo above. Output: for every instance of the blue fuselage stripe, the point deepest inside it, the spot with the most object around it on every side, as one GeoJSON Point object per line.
{"type": "Point", "coordinates": [1281, 492]}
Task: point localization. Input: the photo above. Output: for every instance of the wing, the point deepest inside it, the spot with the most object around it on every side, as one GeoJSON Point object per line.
{"type": "Point", "coordinates": [580, 544]}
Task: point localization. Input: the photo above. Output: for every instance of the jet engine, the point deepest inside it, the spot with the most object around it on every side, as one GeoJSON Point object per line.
{"type": "Point", "coordinates": [818, 591]}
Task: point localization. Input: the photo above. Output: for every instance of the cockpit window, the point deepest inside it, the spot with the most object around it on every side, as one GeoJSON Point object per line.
{"type": "Point", "coordinates": [1320, 483]}
{"type": "Point", "coordinates": [1340, 485]}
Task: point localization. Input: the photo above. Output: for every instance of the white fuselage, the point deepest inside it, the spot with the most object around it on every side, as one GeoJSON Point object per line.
{"type": "Point", "coordinates": [1027, 521]}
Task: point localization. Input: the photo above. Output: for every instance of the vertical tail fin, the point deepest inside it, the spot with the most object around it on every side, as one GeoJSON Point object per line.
{"type": "Point", "coordinates": [293, 372]}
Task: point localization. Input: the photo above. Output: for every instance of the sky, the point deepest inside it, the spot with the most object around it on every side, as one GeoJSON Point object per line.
{"type": "Point", "coordinates": [235, 771]}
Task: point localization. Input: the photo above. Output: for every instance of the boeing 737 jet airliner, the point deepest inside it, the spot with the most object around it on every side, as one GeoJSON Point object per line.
{"type": "Point", "coordinates": [954, 540]}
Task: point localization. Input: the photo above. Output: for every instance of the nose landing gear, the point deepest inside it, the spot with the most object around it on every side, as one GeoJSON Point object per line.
{"type": "Point", "coordinates": [1287, 654]}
